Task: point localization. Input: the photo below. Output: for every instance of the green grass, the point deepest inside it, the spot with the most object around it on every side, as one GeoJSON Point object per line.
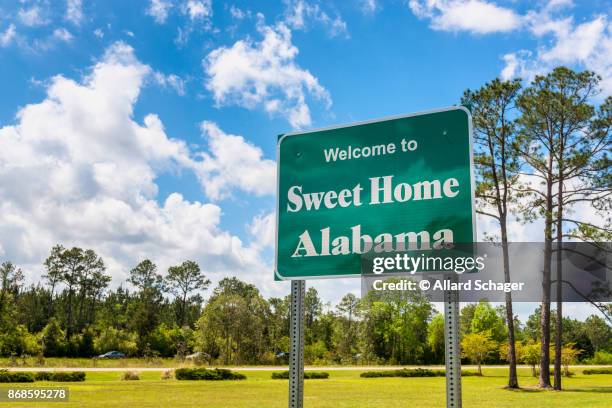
{"type": "Point", "coordinates": [342, 389]}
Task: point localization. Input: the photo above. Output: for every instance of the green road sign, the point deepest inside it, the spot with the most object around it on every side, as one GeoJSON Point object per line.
{"type": "Point", "coordinates": [391, 185]}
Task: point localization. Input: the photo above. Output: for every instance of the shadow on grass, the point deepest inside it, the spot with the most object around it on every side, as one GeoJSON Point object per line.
{"type": "Point", "coordinates": [597, 390]}
{"type": "Point", "coordinates": [524, 389]}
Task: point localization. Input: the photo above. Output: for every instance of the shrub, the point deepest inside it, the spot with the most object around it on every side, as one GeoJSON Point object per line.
{"type": "Point", "coordinates": [600, 358]}
{"type": "Point", "coordinates": [605, 370]}
{"type": "Point", "coordinates": [470, 373]}
{"type": "Point", "coordinates": [308, 375]}
{"type": "Point", "coordinates": [15, 339]}
{"type": "Point", "coordinates": [215, 374]}
{"type": "Point", "coordinates": [15, 377]}
{"type": "Point", "coordinates": [43, 376]}
{"type": "Point", "coordinates": [281, 375]}
{"type": "Point", "coordinates": [416, 372]}
{"type": "Point", "coordinates": [60, 376]}
{"type": "Point", "coordinates": [130, 376]}
{"type": "Point", "coordinates": [52, 337]}
{"type": "Point", "coordinates": [404, 372]}
{"type": "Point", "coordinates": [167, 375]}
{"type": "Point", "coordinates": [115, 339]}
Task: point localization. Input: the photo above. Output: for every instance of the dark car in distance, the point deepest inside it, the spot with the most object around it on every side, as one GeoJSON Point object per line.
{"type": "Point", "coordinates": [112, 354]}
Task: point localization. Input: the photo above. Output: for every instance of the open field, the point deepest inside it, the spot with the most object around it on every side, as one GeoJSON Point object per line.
{"type": "Point", "coordinates": [343, 389]}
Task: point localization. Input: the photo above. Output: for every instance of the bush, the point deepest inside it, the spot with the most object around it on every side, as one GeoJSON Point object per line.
{"type": "Point", "coordinates": [281, 375]}
{"type": "Point", "coordinates": [600, 358]}
{"type": "Point", "coordinates": [130, 376]}
{"type": "Point", "coordinates": [308, 375]}
{"type": "Point", "coordinates": [470, 374]}
{"type": "Point", "coordinates": [167, 375]}
{"type": "Point", "coordinates": [60, 376]}
{"type": "Point", "coordinates": [52, 337]}
{"type": "Point", "coordinates": [605, 370]}
{"type": "Point", "coordinates": [15, 377]}
{"type": "Point", "coordinates": [15, 339]}
{"type": "Point", "coordinates": [115, 339]}
{"type": "Point", "coordinates": [417, 372]}
{"type": "Point", "coordinates": [216, 374]}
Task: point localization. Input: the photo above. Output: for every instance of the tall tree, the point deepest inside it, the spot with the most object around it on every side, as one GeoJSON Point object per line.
{"type": "Point", "coordinates": [563, 145]}
{"type": "Point", "coordinates": [486, 319]}
{"type": "Point", "coordinates": [11, 278]}
{"type": "Point", "coordinates": [599, 333]}
{"type": "Point", "coordinates": [348, 310]}
{"type": "Point", "coordinates": [435, 337]}
{"type": "Point", "coordinates": [279, 324]}
{"type": "Point", "coordinates": [76, 268]}
{"type": "Point", "coordinates": [233, 323]}
{"type": "Point", "coordinates": [184, 279]}
{"type": "Point", "coordinates": [313, 306]}
{"type": "Point", "coordinates": [53, 276]}
{"type": "Point", "coordinates": [496, 160]}
{"type": "Point", "coordinates": [395, 325]}
{"type": "Point", "coordinates": [91, 282]}
{"type": "Point", "coordinates": [150, 286]}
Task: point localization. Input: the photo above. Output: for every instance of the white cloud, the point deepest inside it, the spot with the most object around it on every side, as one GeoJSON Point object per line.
{"type": "Point", "coordinates": [59, 35]}
{"type": "Point", "coordinates": [159, 10]}
{"type": "Point", "coordinates": [171, 81]}
{"type": "Point", "coordinates": [7, 37]}
{"type": "Point", "coordinates": [514, 64]}
{"type": "Point", "coordinates": [369, 6]}
{"type": "Point", "coordinates": [475, 16]}
{"type": "Point", "coordinates": [198, 9]}
{"type": "Point", "coordinates": [233, 162]}
{"type": "Point", "coordinates": [299, 12]}
{"type": "Point", "coordinates": [237, 13]}
{"type": "Point", "coordinates": [32, 17]}
{"type": "Point", "coordinates": [587, 45]}
{"type": "Point", "coordinates": [98, 33]}
{"type": "Point", "coordinates": [263, 230]}
{"type": "Point", "coordinates": [62, 34]}
{"type": "Point", "coordinates": [578, 43]}
{"type": "Point", "coordinates": [74, 11]}
{"type": "Point", "coordinates": [264, 74]}
{"type": "Point", "coordinates": [199, 18]}
{"type": "Point", "coordinates": [76, 168]}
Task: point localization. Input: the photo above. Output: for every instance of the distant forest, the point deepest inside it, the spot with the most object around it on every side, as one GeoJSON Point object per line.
{"type": "Point", "coordinates": [73, 313]}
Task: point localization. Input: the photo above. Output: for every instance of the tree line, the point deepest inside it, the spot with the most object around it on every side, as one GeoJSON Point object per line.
{"type": "Point", "coordinates": [73, 313]}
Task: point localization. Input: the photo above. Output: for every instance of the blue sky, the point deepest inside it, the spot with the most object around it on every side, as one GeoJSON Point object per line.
{"type": "Point", "coordinates": [205, 87]}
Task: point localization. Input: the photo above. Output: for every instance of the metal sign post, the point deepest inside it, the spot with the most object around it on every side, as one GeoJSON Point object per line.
{"type": "Point", "coordinates": [296, 352]}
{"type": "Point", "coordinates": [452, 350]}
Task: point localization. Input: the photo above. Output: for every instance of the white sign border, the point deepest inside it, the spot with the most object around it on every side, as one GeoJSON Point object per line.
{"type": "Point", "coordinates": [383, 119]}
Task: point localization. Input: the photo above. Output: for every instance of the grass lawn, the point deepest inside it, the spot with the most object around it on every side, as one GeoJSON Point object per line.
{"type": "Point", "coordinates": [342, 389]}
